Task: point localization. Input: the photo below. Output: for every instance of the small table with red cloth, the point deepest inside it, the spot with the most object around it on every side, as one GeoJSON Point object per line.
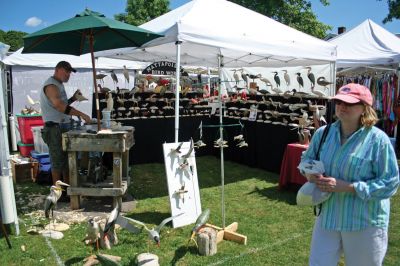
{"type": "Point", "coordinates": [289, 173]}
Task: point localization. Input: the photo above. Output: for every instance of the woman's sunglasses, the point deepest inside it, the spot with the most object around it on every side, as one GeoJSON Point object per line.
{"type": "Point", "coordinates": [339, 102]}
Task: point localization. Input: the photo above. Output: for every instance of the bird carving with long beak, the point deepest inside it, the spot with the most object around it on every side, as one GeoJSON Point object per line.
{"type": "Point", "coordinates": [52, 199]}
{"type": "Point", "coordinates": [311, 77]}
{"type": "Point", "coordinates": [200, 221]}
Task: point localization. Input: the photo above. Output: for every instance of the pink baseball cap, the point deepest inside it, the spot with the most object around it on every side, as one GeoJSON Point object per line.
{"type": "Point", "coordinates": [354, 93]}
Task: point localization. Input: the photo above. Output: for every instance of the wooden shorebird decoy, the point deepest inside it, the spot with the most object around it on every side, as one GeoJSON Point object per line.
{"type": "Point", "coordinates": [286, 77]}
{"type": "Point", "coordinates": [300, 80]}
{"type": "Point", "coordinates": [310, 76]}
{"type": "Point", "coordinates": [277, 79]}
{"type": "Point", "coordinates": [323, 82]}
{"type": "Point", "coordinates": [126, 75]}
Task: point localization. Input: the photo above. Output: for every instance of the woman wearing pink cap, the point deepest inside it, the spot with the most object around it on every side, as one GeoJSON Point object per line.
{"type": "Point", "coordinates": [361, 172]}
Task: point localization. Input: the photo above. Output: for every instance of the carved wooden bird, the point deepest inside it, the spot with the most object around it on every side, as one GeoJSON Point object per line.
{"type": "Point", "coordinates": [236, 77]}
{"type": "Point", "coordinates": [311, 76]}
{"type": "Point", "coordinates": [286, 77]}
{"type": "Point", "coordinates": [51, 200]}
{"type": "Point", "coordinates": [126, 75]}
{"type": "Point", "coordinates": [111, 220]}
{"type": "Point", "coordinates": [154, 233]}
{"type": "Point", "coordinates": [323, 82]}
{"type": "Point", "coordinates": [244, 76]}
{"type": "Point", "coordinates": [92, 232]}
{"type": "Point", "coordinates": [114, 78]}
{"type": "Point", "coordinates": [200, 221]}
{"type": "Point", "coordinates": [277, 79]}
{"type": "Point", "coordinates": [300, 80]}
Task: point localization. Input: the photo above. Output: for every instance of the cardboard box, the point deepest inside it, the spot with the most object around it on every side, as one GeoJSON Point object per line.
{"type": "Point", "coordinates": [22, 171]}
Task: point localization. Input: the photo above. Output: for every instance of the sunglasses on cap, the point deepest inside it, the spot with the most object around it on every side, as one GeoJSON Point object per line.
{"type": "Point", "coordinates": [339, 102]}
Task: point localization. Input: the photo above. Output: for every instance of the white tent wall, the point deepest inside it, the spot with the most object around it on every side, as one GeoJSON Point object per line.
{"type": "Point", "coordinates": [29, 81]}
{"type": "Point", "coordinates": [317, 70]}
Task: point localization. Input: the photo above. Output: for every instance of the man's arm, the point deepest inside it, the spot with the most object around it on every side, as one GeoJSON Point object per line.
{"type": "Point", "coordinates": [53, 94]}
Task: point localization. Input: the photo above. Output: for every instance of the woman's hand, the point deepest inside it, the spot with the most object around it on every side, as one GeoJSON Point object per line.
{"type": "Point", "coordinates": [312, 178]}
{"type": "Point", "coordinates": [331, 184]}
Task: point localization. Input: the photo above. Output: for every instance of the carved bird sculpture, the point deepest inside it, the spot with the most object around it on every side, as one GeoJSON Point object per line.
{"type": "Point", "coordinates": [300, 80]}
{"type": "Point", "coordinates": [277, 79]}
{"type": "Point", "coordinates": [51, 200]}
{"type": "Point", "coordinates": [200, 221]}
{"type": "Point", "coordinates": [286, 78]}
{"type": "Point", "coordinates": [114, 78]}
{"type": "Point", "coordinates": [154, 233]}
{"type": "Point", "coordinates": [126, 75]}
{"type": "Point", "coordinates": [112, 218]}
{"type": "Point", "coordinates": [92, 232]}
{"type": "Point", "coordinates": [323, 82]}
{"type": "Point", "coordinates": [311, 77]}
{"type": "Point", "coordinates": [236, 77]}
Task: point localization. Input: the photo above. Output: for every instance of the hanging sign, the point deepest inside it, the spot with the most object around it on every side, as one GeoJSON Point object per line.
{"type": "Point", "coordinates": [160, 68]}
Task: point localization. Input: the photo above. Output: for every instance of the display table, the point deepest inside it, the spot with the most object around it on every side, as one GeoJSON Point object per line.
{"type": "Point", "coordinates": [289, 173]}
{"type": "Point", "coordinates": [118, 142]}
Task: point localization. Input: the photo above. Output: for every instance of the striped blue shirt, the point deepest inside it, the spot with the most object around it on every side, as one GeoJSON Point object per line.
{"type": "Point", "coordinates": [367, 159]}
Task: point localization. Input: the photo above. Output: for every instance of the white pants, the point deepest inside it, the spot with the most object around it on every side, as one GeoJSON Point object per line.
{"type": "Point", "coordinates": [363, 248]}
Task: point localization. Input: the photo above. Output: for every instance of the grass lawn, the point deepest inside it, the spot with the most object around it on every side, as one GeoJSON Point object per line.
{"type": "Point", "coordinates": [278, 231]}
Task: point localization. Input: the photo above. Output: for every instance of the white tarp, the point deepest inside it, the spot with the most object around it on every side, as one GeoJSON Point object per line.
{"type": "Point", "coordinates": [83, 61]}
{"type": "Point", "coordinates": [367, 44]}
{"type": "Point", "coordinates": [208, 28]}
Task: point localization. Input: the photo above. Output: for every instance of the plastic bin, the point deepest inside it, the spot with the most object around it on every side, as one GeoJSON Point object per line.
{"type": "Point", "coordinates": [25, 149]}
{"type": "Point", "coordinates": [42, 158]}
{"type": "Point", "coordinates": [45, 167]}
{"type": "Point", "coordinates": [25, 123]}
{"type": "Point", "coordinates": [40, 145]}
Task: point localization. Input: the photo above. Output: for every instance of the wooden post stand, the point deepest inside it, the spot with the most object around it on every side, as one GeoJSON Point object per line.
{"type": "Point", "coordinates": [229, 233]}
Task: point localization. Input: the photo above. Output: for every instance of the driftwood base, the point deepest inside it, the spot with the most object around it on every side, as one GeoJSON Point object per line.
{"type": "Point", "coordinates": [147, 259]}
{"type": "Point", "coordinates": [207, 241]}
{"type": "Point", "coordinates": [229, 233]}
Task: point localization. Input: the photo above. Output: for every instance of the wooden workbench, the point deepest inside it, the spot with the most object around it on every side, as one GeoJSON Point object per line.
{"type": "Point", "coordinates": [118, 142]}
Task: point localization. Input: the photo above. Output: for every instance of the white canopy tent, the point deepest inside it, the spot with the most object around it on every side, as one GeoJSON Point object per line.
{"type": "Point", "coordinates": [365, 45]}
{"type": "Point", "coordinates": [219, 33]}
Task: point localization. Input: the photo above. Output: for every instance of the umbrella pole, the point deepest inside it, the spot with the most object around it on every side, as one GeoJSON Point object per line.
{"type": "Point", "coordinates": [95, 83]}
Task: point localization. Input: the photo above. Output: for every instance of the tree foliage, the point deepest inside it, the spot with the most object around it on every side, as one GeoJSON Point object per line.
{"type": "Point", "coordinates": [12, 38]}
{"type": "Point", "coordinates": [138, 12]}
{"type": "Point", "coordinates": [294, 13]}
{"type": "Point", "coordinates": [394, 11]}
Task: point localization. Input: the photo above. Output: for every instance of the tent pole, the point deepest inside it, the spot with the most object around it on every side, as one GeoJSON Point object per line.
{"type": "Point", "coordinates": [95, 83]}
{"type": "Point", "coordinates": [178, 73]}
{"type": "Point", "coordinates": [221, 135]}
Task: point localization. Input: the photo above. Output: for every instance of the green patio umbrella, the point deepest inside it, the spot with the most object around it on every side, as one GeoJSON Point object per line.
{"type": "Point", "coordinates": [87, 32]}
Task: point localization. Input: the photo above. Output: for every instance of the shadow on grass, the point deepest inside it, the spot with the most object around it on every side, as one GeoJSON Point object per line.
{"type": "Point", "coordinates": [149, 181]}
{"type": "Point", "coordinates": [74, 260]}
{"type": "Point", "coordinates": [274, 193]}
{"type": "Point", "coordinates": [151, 217]}
{"type": "Point", "coordinates": [181, 252]}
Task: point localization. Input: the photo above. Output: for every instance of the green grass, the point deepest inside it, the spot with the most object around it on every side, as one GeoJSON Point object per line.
{"type": "Point", "coordinates": [278, 231]}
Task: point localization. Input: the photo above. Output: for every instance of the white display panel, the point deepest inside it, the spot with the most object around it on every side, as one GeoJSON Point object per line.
{"type": "Point", "coordinates": [183, 187]}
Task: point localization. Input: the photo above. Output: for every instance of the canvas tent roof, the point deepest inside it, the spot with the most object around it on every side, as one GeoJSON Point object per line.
{"type": "Point", "coordinates": [208, 28]}
{"type": "Point", "coordinates": [367, 44]}
{"type": "Point", "coordinates": [83, 61]}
